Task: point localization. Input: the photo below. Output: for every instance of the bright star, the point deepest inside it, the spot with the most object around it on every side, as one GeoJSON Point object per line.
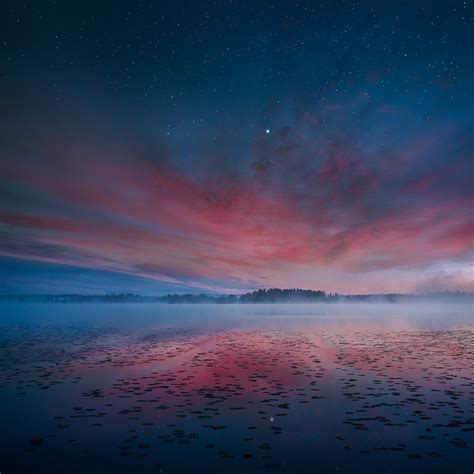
{"type": "Point", "coordinates": [267, 131]}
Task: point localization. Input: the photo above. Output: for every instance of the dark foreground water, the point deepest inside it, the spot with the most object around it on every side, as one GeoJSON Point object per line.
{"type": "Point", "coordinates": [244, 388]}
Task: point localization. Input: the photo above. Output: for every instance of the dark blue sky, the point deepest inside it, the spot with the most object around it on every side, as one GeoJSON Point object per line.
{"type": "Point", "coordinates": [222, 146]}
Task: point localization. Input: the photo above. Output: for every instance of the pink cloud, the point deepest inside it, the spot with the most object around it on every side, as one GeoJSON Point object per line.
{"type": "Point", "coordinates": [140, 216]}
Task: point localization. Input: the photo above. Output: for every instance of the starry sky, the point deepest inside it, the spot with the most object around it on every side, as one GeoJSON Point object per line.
{"type": "Point", "coordinates": [223, 146]}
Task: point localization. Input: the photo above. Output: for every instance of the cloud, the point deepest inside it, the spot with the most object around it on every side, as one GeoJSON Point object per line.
{"type": "Point", "coordinates": [311, 196]}
{"type": "Point", "coordinates": [447, 280]}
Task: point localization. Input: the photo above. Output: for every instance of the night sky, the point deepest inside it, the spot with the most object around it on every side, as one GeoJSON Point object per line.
{"type": "Point", "coordinates": [175, 146]}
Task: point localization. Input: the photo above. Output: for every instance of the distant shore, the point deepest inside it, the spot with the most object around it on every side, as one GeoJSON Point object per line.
{"type": "Point", "coordinates": [265, 296]}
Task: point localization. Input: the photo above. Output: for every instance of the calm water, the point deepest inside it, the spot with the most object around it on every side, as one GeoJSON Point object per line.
{"type": "Point", "coordinates": [237, 388]}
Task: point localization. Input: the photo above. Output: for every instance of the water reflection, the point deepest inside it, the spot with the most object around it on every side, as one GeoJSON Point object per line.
{"type": "Point", "coordinates": [174, 389]}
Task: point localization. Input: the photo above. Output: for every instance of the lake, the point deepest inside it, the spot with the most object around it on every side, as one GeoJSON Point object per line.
{"type": "Point", "coordinates": [363, 388]}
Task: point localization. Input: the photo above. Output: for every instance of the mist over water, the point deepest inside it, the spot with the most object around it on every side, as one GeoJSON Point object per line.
{"type": "Point", "coordinates": [355, 388]}
{"type": "Point", "coordinates": [426, 314]}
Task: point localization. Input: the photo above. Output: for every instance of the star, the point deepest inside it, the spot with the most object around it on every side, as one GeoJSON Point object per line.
{"type": "Point", "coordinates": [267, 131]}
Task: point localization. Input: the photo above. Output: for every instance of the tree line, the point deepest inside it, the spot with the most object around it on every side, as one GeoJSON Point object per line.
{"type": "Point", "coordinates": [272, 295]}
